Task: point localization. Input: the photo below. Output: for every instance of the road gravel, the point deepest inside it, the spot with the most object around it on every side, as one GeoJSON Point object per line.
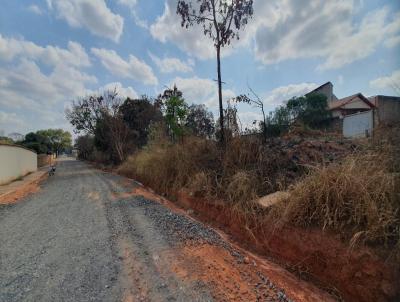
{"type": "Point", "coordinates": [83, 237]}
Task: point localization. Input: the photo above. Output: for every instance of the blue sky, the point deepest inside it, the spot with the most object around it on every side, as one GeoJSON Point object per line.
{"type": "Point", "coordinates": [52, 51]}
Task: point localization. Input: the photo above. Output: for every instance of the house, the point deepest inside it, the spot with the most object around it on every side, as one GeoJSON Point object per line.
{"type": "Point", "coordinates": [357, 115]}
{"type": "Point", "coordinates": [353, 104]}
{"type": "Point", "coordinates": [16, 136]}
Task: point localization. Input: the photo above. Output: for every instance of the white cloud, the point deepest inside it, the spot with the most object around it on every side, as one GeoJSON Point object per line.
{"type": "Point", "coordinates": [10, 121]}
{"type": "Point", "coordinates": [340, 79]}
{"type": "Point", "coordinates": [387, 82]}
{"type": "Point", "coordinates": [169, 65]}
{"type": "Point", "coordinates": [75, 55]}
{"type": "Point", "coordinates": [37, 98]}
{"type": "Point", "coordinates": [247, 119]}
{"type": "Point", "coordinates": [34, 94]}
{"type": "Point", "coordinates": [201, 91]}
{"type": "Point", "coordinates": [129, 3]}
{"type": "Point", "coordinates": [133, 68]}
{"type": "Point", "coordinates": [279, 95]}
{"type": "Point", "coordinates": [293, 29]}
{"type": "Point", "coordinates": [392, 42]}
{"type": "Point", "coordinates": [303, 29]}
{"type": "Point", "coordinates": [123, 92]}
{"type": "Point", "coordinates": [167, 28]}
{"type": "Point", "coordinates": [93, 15]}
{"type": "Point", "coordinates": [25, 86]}
{"type": "Point", "coordinates": [35, 9]}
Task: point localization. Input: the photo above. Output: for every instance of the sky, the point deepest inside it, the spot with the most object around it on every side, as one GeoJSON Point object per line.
{"type": "Point", "coordinates": [55, 51]}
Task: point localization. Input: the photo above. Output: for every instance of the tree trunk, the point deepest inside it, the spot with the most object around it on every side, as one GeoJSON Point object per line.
{"type": "Point", "coordinates": [221, 108]}
{"type": "Point", "coordinates": [264, 125]}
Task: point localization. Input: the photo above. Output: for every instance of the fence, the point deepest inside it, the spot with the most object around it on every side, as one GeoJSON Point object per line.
{"type": "Point", "coordinates": [45, 160]}
{"type": "Point", "coordinates": [15, 162]}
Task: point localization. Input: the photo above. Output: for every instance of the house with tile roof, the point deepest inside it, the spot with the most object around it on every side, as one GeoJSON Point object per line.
{"type": "Point", "coordinates": [357, 115]}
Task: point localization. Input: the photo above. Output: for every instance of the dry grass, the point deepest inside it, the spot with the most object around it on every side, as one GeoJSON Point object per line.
{"type": "Point", "coordinates": [245, 170]}
{"type": "Point", "coordinates": [357, 197]}
{"type": "Point", "coordinates": [168, 168]}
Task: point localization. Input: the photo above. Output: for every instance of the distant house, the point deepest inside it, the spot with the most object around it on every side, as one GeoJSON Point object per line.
{"type": "Point", "coordinates": [357, 115]}
{"type": "Point", "coordinates": [16, 136]}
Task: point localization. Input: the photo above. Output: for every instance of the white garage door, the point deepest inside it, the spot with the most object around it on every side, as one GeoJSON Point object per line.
{"type": "Point", "coordinates": [358, 125]}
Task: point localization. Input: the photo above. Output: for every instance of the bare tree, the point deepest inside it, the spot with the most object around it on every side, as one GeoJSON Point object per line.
{"type": "Point", "coordinates": [221, 21]}
{"type": "Point", "coordinates": [101, 117]}
{"type": "Point", "coordinates": [257, 103]}
{"type": "Point", "coordinates": [87, 111]}
{"type": "Point", "coordinates": [119, 135]}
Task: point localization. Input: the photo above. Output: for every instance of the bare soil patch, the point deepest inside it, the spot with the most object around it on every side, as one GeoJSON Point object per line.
{"type": "Point", "coordinates": [22, 191]}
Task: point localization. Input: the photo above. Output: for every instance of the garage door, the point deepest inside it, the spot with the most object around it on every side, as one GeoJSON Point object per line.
{"type": "Point", "coordinates": [358, 125]}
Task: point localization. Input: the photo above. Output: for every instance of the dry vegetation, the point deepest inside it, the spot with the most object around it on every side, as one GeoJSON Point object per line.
{"type": "Point", "coordinates": [333, 185]}
{"type": "Point", "coordinates": [245, 170]}
{"type": "Point", "coordinates": [358, 198]}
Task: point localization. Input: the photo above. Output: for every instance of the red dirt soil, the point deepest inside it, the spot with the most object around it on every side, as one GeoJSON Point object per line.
{"type": "Point", "coordinates": [215, 266]}
{"type": "Point", "coordinates": [233, 281]}
{"type": "Point", "coordinates": [22, 191]}
{"type": "Point", "coordinates": [353, 275]}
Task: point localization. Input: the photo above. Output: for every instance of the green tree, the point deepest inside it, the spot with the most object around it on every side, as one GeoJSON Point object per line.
{"type": "Point", "coordinates": [175, 111]}
{"type": "Point", "coordinates": [311, 110]}
{"type": "Point", "coordinates": [175, 114]}
{"type": "Point", "coordinates": [38, 142]}
{"type": "Point", "coordinates": [58, 139]}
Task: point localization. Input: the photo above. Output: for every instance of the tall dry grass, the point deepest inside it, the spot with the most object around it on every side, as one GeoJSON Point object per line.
{"type": "Point", "coordinates": [170, 167]}
{"type": "Point", "coordinates": [240, 172]}
{"type": "Point", "coordinates": [358, 197]}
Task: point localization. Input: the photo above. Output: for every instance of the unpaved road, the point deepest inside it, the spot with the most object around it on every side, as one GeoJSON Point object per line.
{"type": "Point", "coordinates": [86, 236]}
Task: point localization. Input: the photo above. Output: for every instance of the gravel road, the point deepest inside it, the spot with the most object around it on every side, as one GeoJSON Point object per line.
{"type": "Point", "coordinates": [83, 237]}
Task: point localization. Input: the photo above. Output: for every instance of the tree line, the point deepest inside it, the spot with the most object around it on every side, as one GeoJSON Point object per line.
{"type": "Point", "coordinates": [115, 127]}
{"type": "Point", "coordinates": [54, 141]}
{"type": "Point", "coordinates": [112, 127]}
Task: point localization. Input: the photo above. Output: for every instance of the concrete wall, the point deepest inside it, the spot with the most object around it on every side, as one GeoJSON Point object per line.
{"type": "Point", "coordinates": [326, 90]}
{"type": "Point", "coordinates": [359, 124]}
{"type": "Point", "coordinates": [15, 162]}
{"type": "Point", "coordinates": [388, 108]}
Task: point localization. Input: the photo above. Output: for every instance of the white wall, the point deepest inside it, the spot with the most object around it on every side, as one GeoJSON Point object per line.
{"type": "Point", "coordinates": [15, 162]}
{"type": "Point", "coordinates": [357, 125]}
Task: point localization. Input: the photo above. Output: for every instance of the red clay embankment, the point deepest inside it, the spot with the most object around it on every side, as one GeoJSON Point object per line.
{"type": "Point", "coordinates": [354, 275]}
